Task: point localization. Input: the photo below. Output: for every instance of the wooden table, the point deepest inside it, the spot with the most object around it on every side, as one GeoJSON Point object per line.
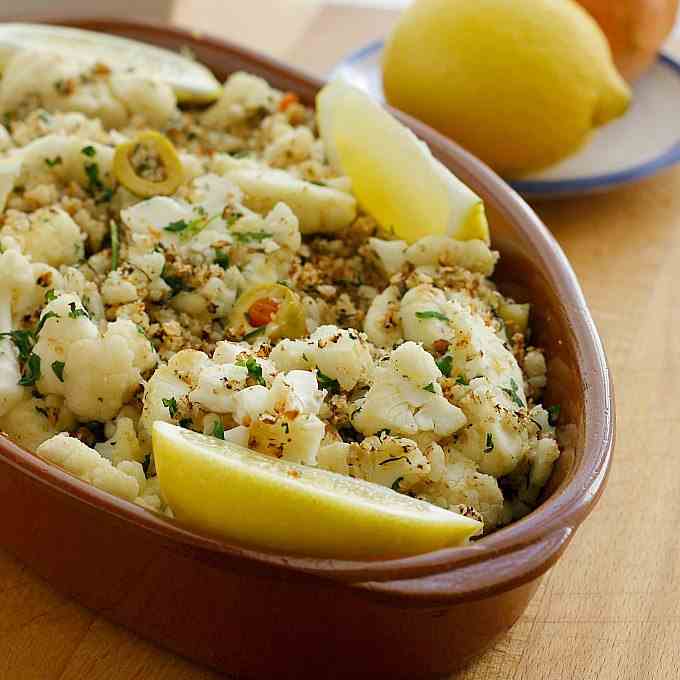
{"type": "Point", "coordinates": [611, 609]}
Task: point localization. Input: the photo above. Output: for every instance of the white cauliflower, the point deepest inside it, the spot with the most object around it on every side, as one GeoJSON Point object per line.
{"type": "Point", "coordinates": [243, 96]}
{"type": "Point", "coordinates": [405, 397]}
{"type": "Point", "coordinates": [474, 255]}
{"type": "Point", "coordinates": [123, 443]}
{"type": "Point", "coordinates": [154, 100]}
{"type": "Point", "coordinates": [48, 235]}
{"type": "Point", "coordinates": [340, 354]}
{"type": "Point", "coordinates": [10, 170]}
{"type": "Point", "coordinates": [383, 319]}
{"type": "Point", "coordinates": [391, 254]}
{"type": "Point", "coordinates": [80, 460]}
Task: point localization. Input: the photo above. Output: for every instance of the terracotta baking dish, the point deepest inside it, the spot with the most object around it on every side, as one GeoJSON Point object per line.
{"type": "Point", "coordinates": [257, 615]}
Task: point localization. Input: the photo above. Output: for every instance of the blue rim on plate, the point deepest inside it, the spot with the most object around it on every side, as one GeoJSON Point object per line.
{"type": "Point", "coordinates": [358, 66]}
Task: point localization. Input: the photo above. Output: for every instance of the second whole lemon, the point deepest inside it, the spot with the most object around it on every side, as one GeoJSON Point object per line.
{"type": "Point", "coordinates": [519, 83]}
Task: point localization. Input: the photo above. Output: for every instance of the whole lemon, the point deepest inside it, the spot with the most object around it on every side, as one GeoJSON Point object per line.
{"type": "Point", "coordinates": [519, 83]}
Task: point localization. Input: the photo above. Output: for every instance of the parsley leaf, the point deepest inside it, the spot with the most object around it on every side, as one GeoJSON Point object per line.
{"type": "Point", "coordinates": [327, 383]}
{"type": "Point", "coordinates": [115, 245]}
{"type": "Point", "coordinates": [254, 369]}
{"type": "Point", "coordinates": [513, 393]}
{"type": "Point", "coordinates": [146, 463]}
{"type": "Point", "coordinates": [23, 341]}
{"type": "Point", "coordinates": [176, 227]}
{"type": "Point", "coordinates": [432, 314]}
{"type": "Point", "coordinates": [58, 369]}
{"type": "Point", "coordinates": [462, 380]}
{"type": "Point", "coordinates": [218, 429]}
{"type": "Point", "coordinates": [222, 259]}
{"type": "Point", "coordinates": [256, 332]}
{"type": "Point", "coordinates": [88, 150]}
{"type": "Point", "coordinates": [250, 236]}
{"type": "Point", "coordinates": [75, 313]}
{"type": "Point", "coordinates": [31, 373]}
{"type": "Point", "coordinates": [444, 365]}
{"type": "Point", "coordinates": [429, 388]}
{"type": "Point", "coordinates": [51, 162]}
{"type": "Point", "coordinates": [396, 483]}
{"type": "Point", "coordinates": [489, 443]}
{"type": "Point", "coordinates": [50, 295]}
{"type": "Point", "coordinates": [554, 414]}
{"type": "Point", "coordinates": [171, 405]}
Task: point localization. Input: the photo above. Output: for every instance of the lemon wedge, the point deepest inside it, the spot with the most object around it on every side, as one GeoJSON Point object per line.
{"type": "Point", "coordinates": [394, 175]}
{"type": "Point", "coordinates": [191, 81]}
{"type": "Point", "coordinates": [238, 494]}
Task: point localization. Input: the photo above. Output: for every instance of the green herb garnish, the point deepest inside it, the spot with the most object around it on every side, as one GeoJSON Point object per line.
{"type": "Point", "coordinates": [254, 369]}
{"type": "Point", "coordinates": [554, 414]}
{"type": "Point", "coordinates": [218, 429]}
{"type": "Point", "coordinates": [222, 259]}
{"type": "Point", "coordinates": [31, 373]}
{"type": "Point", "coordinates": [171, 405]}
{"type": "Point", "coordinates": [58, 369]}
{"type": "Point", "coordinates": [489, 443]}
{"type": "Point", "coordinates": [51, 162]}
{"type": "Point", "coordinates": [444, 365]}
{"type": "Point", "coordinates": [88, 150]}
{"type": "Point", "coordinates": [251, 236]}
{"type": "Point", "coordinates": [75, 313]}
{"type": "Point", "coordinates": [462, 380]}
{"type": "Point", "coordinates": [50, 295]}
{"type": "Point", "coordinates": [23, 341]}
{"type": "Point", "coordinates": [432, 314]}
{"type": "Point", "coordinates": [327, 383]}
{"type": "Point", "coordinates": [396, 483]}
{"type": "Point", "coordinates": [429, 388]}
{"type": "Point", "coordinates": [513, 393]}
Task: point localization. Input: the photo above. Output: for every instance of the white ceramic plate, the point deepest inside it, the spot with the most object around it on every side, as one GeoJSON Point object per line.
{"type": "Point", "coordinates": [641, 143]}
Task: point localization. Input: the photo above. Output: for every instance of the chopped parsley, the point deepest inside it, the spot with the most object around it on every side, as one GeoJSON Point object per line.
{"type": "Point", "coordinates": [252, 236]}
{"type": "Point", "coordinates": [51, 162]}
{"type": "Point", "coordinates": [327, 383]}
{"type": "Point", "coordinates": [115, 245]}
{"type": "Point", "coordinates": [188, 230]}
{"type": "Point", "coordinates": [76, 313]}
{"type": "Point", "coordinates": [254, 369]}
{"type": "Point", "coordinates": [218, 429]}
{"type": "Point", "coordinates": [252, 334]}
{"type": "Point", "coordinates": [554, 414]}
{"type": "Point", "coordinates": [489, 443]}
{"type": "Point", "coordinates": [444, 365]}
{"type": "Point", "coordinates": [222, 259]}
{"type": "Point", "coordinates": [513, 393]}
{"type": "Point", "coordinates": [432, 314]}
{"type": "Point", "coordinates": [31, 373]}
{"type": "Point", "coordinates": [88, 151]}
{"type": "Point", "coordinates": [177, 227]}
{"type": "Point", "coordinates": [462, 380]}
{"type": "Point", "coordinates": [393, 460]}
{"type": "Point", "coordinates": [58, 369]}
{"type": "Point", "coordinates": [50, 295]}
{"type": "Point", "coordinates": [396, 483]}
{"type": "Point", "coordinates": [429, 388]}
{"type": "Point", "coordinates": [171, 405]}
{"type": "Point", "coordinates": [23, 341]}
{"type": "Point", "coordinates": [95, 186]}
{"type": "Point", "coordinates": [146, 464]}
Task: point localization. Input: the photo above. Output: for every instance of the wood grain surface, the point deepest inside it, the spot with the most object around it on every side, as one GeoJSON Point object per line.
{"type": "Point", "coordinates": [610, 610]}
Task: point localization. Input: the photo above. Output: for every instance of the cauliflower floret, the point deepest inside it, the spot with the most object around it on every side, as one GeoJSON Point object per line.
{"type": "Point", "coordinates": [123, 444]}
{"type": "Point", "coordinates": [48, 235]}
{"type": "Point", "coordinates": [463, 487]}
{"type": "Point", "coordinates": [383, 319]}
{"type": "Point", "coordinates": [10, 169]}
{"type": "Point", "coordinates": [291, 145]}
{"type": "Point", "coordinates": [152, 99]}
{"type": "Point", "coordinates": [243, 96]}
{"type": "Point", "coordinates": [291, 436]}
{"type": "Point", "coordinates": [473, 255]}
{"type": "Point", "coordinates": [284, 227]}
{"type": "Point", "coordinates": [250, 403]}
{"type": "Point", "coordinates": [404, 397]}
{"type": "Point", "coordinates": [144, 353]}
{"type": "Point", "coordinates": [60, 82]}
{"type": "Point", "coordinates": [64, 324]}
{"type": "Point", "coordinates": [33, 420]}
{"type": "Point", "coordinates": [318, 208]}
{"type": "Point", "coordinates": [334, 457]}
{"type": "Point", "coordinates": [217, 385]}
{"type": "Point", "coordinates": [496, 438]}
{"type": "Point", "coordinates": [342, 355]}
{"type": "Point", "coordinates": [394, 462]}
{"type": "Point", "coordinates": [80, 460]}
{"type": "Point", "coordinates": [227, 352]}
{"type": "Point", "coordinates": [100, 376]}
{"type": "Point", "coordinates": [390, 254]}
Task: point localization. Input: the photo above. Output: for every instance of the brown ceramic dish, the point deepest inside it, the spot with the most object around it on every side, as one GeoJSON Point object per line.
{"type": "Point", "coordinates": [260, 615]}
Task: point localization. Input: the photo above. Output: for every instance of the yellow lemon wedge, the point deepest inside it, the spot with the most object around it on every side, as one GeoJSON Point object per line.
{"type": "Point", "coordinates": [394, 176]}
{"type": "Point", "coordinates": [191, 81]}
{"type": "Point", "coordinates": [232, 492]}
